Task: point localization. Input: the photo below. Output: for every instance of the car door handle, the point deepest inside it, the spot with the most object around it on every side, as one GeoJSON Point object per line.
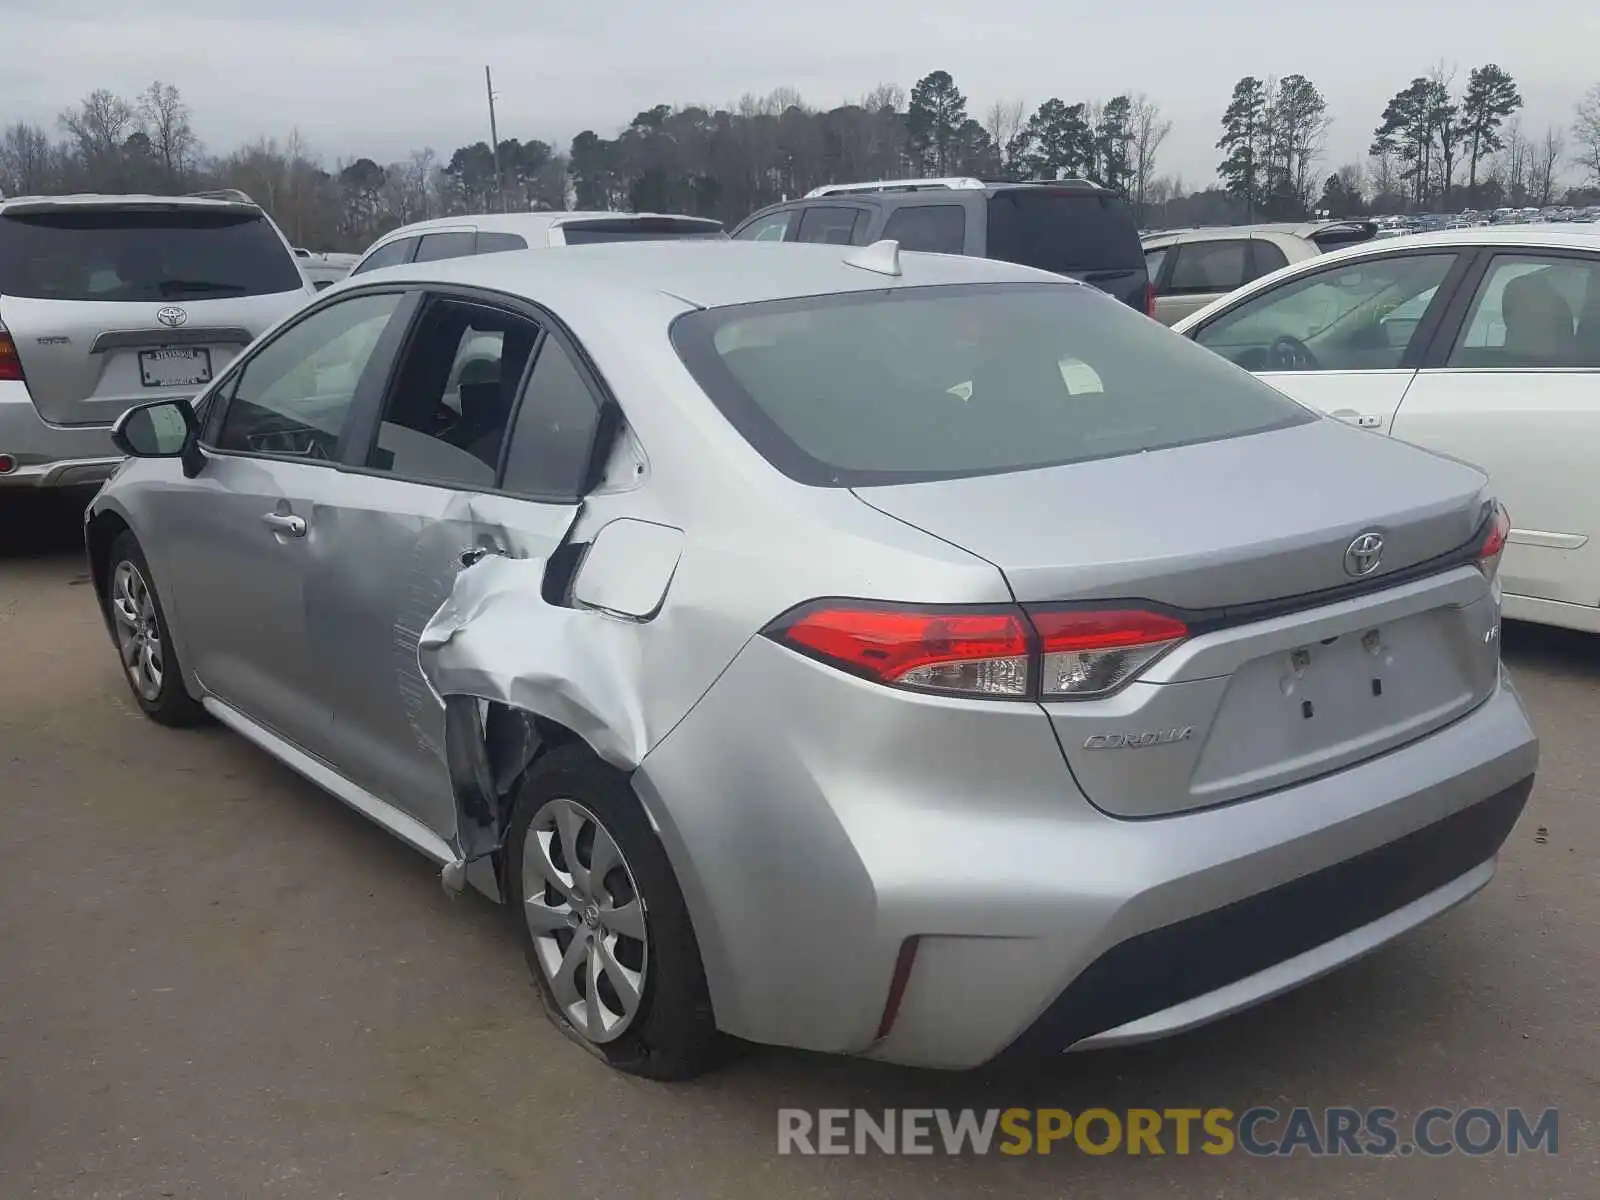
{"type": "Point", "coordinates": [286, 524]}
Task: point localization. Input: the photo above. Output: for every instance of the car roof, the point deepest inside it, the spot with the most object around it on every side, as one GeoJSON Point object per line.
{"type": "Point", "coordinates": [704, 274]}
{"type": "Point", "coordinates": [83, 200]}
{"type": "Point", "coordinates": [526, 222]}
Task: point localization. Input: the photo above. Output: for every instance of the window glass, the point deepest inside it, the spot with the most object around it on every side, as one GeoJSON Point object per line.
{"type": "Point", "coordinates": [293, 395]}
{"type": "Point", "coordinates": [493, 243]}
{"type": "Point", "coordinates": [937, 228]}
{"type": "Point", "coordinates": [392, 255]}
{"type": "Point", "coordinates": [962, 380]}
{"type": "Point", "coordinates": [828, 223]}
{"type": "Point", "coordinates": [555, 428]}
{"type": "Point", "coordinates": [113, 254]}
{"type": "Point", "coordinates": [771, 228]}
{"type": "Point", "coordinates": [640, 229]}
{"type": "Point", "coordinates": [437, 246]}
{"type": "Point", "coordinates": [1063, 231]}
{"type": "Point", "coordinates": [1352, 317]}
{"type": "Point", "coordinates": [1153, 260]}
{"type": "Point", "coordinates": [446, 418]}
{"type": "Point", "coordinates": [1266, 257]}
{"type": "Point", "coordinates": [1212, 266]}
{"type": "Point", "coordinates": [1533, 312]}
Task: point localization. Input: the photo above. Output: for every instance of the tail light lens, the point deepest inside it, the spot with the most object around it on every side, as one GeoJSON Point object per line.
{"type": "Point", "coordinates": [10, 361]}
{"type": "Point", "coordinates": [998, 653]}
{"type": "Point", "coordinates": [1093, 652]}
{"type": "Point", "coordinates": [1494, 542]}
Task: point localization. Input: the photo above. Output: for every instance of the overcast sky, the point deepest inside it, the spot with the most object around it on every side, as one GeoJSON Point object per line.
{"type": "Point", "coordinates": [364, 77]}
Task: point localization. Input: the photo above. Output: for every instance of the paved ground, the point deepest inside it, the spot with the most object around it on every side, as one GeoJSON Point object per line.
{"type": "Point", "coordinates": [217, 982]}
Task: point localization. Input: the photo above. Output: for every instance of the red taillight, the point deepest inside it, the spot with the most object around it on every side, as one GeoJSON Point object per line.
{"type": "Point", "coordinates": [1089, 652]}
{"type": "Point", "coordinates": [963, 651]}
{"type": "Point", "coordinates": [10, 363]}
{"type": "Point", "coordinates": [1150, 299]}
{"type": "Point", "coordinates": [996, 653]}
{"type": "Point", "coordinates": [1494, 542]}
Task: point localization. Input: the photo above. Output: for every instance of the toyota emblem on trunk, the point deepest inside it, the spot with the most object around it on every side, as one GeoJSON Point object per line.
{"type": "Point", "coordinates": [1364, 554]}
{"type": "Point", "coordinates": [172, 316]}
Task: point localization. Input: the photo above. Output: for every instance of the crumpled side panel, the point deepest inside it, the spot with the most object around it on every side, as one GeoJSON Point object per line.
{"type": "Point", "coordinates": [496, 638]}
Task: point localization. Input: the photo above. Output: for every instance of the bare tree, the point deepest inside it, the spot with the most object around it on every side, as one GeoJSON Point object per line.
{"type": "Point", "coordinates": [1002, 122]}
{"type": "Point", "coordinates": [1516, 163]}
{"type": "Point", "coordinates": [1587, 132]}
{"type": "Point", "coordinates": [167, 124]}
{"type": "Point", "coordinates": [1547, 154]}
{"type": "Point", "coordinates": [29, 164]}
{"type": "Point", "coordinates": [100, 128]}
{"type": "Point", "coordinates": [1148, 130]}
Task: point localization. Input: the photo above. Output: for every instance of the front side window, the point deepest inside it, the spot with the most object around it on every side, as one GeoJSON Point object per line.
{"type": "Point", "coordinates": [292, 396]}
{"type": "Point", "coordinates": [1201, 268]}
{"type": "Point", "coordinates": [446, 417]}
{"type": "Point", "coordinates": [910, 384]}
{"type": "Point", "coordinates": [935, 228]}
{"type": "Point", "coordinates": [772, 228]}
{"type": "Point", "coordinates": [1533, 311]}
{"type": "Point", "coordinates": [830, 224]}
{"type": "Point", "coordinates": [1358, 316]}
{"type": "Point", "coordinates": [392, 255]}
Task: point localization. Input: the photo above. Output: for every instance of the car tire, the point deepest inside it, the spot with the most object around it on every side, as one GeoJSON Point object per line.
{"type": "Point", "coordinates": [143, 639]}
{"type": "Point", "coordinates": [577, 930]}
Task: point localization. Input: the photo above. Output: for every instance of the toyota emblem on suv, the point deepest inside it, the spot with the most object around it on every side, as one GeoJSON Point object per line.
{"type": "Point", "coordinates": [1364, 554]}
{"type": "Point", "coordinates": [172, 316]}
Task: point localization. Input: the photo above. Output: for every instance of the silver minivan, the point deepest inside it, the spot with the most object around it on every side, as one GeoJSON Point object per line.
{"type": "Point", "coordinates": [111, 301]}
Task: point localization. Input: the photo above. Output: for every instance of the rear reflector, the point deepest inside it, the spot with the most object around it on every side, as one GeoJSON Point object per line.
{"type": "Point", "coordinates": [1494, 542]}
{"type": "Point", "coordinates": [7, 464]}
{"type": "Point", "coordinates": [903, 963]}
{"type": "Point", "coordinates": [1150, 299]}
{"type": "Point", "coordinates": [988, 653]}
{"type": "Point", "coordinates": [1093, 652]}
{"type": "Point", "coordinates": [10, 363]}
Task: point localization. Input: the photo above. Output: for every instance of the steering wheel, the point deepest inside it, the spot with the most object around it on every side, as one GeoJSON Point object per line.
{"type": "Point", "coordinates": [1288, 353]}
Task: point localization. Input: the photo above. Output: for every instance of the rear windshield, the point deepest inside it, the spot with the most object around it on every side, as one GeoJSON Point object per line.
{"type": "Point", "coordinates": [584, 233]}
{"type": "Point", "coordinates": [1064, 232]}
{"type": "Point", "coordinates": [910, 384]}
{"type": "Point", "coordinates": [142, 255]}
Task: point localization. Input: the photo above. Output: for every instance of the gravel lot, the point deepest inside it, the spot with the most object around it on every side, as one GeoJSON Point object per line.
{"type": "Point", "coordinates": [216, 981]}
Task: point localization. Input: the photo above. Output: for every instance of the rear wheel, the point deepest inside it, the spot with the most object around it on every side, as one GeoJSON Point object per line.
{"type": "Point", "coordinates": [149, 661]}
{"type": "Point", "coordinates": [605, 928]}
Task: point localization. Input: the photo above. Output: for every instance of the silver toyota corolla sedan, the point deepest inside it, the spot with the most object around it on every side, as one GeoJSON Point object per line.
{"type": "Point", "coordinates": [897, 655]}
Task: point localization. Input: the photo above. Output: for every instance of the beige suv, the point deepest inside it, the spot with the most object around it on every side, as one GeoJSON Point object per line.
{"type": "Point", "coordinates": [1189, 268]}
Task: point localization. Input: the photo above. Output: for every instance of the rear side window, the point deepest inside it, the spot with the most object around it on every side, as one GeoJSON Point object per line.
{"type": "Point", "coordinates": [438, 246]}
{"type": "Point", "coordinates": [1199, 268]}
{"type": "Point", "coordinates": [555, 428]}
{"type": "Point", "coordinates": [829, 224]}
{"type": "Point", "coordinates": [934, 228]}
{"type": "Point", "coordinates": [964, 380]}
{"type": "Point", "coordinates": [143, 255]}
{"type": "Point", "coordinates": [1063, 231]}
{"type": "Point", "coordinates": [392, 255]}
{"type": "Point", "coordinates": [494, 243]}
{"type": "Point", "coordinates": [639, 229]}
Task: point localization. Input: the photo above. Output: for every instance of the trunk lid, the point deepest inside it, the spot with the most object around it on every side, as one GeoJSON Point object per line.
{"type": "Point", "coordinates": [1293, 668]}
{"type": "Point", "coordinates": [112, 305]}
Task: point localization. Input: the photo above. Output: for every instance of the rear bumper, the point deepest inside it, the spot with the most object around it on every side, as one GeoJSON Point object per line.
{"type": "Point", "coordinates": [50, 455]}
{"type": "Point", "coordinates": [817, 822]}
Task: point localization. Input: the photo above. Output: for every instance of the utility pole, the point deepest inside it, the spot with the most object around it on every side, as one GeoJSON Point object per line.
{"type": "Point", "coordinates": [494, 140]}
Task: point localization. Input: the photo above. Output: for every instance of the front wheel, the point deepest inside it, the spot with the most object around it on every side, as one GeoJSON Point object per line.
{"type": "Point", "coordinates": [144, 640]}
{"type": "Point", "coordinates": [606, 931]}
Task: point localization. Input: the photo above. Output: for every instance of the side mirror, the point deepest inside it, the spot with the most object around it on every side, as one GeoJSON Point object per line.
{"type": "Point", "coordinates": [164, 429]}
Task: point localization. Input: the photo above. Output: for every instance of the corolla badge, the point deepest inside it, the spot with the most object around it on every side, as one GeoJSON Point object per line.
{"type": "Point", "coordinates": [1364, 554]}
{"type": "Point", "coordinates": [172, 316]}
{"type": "Point", "coordinates": [1139, 740]}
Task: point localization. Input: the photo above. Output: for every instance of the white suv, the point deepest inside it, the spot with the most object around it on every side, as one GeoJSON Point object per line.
{"type": "Point", "coordinates": [111, 301]}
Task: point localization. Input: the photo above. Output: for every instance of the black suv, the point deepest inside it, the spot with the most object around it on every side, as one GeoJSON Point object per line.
{"type": "Point", "coordinates": [1069, 226]}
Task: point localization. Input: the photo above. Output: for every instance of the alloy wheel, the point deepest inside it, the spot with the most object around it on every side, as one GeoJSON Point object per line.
{"type": "Point", "coordinates": [138, 630]}
{"type": "Point", "coordinates": [583, 909]}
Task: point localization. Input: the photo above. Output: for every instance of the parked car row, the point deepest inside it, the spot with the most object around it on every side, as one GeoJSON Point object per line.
{"type": "Point", "coordinates": [796, 627]}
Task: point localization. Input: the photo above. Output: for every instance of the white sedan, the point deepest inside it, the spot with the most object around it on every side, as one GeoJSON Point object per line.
{"type": "Point", "coordinates": [1483, 344]}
